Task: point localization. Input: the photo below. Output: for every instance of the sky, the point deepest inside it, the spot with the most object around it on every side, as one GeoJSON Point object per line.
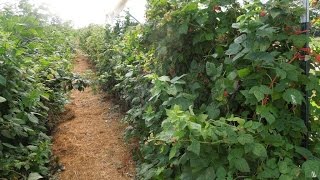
{"type": "Point", "coordinates": [85, 12]}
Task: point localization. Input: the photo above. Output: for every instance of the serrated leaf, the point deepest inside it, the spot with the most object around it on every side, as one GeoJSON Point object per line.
{"type": "Point", "coordinates": [173, 152]}
{"type": "Point", "coordinates": [260, 56]}
{"type": "Point", "coordinates": [2, 99]}
{"type": "Point", "coordinates": [221, 172]}
{"type": "Point", "coordinates": [164, 78]}
{"type": "Point", "coordinates": [207, 174]}
{"type": "Point", "coordinates": [304, 152]}
{"type": "Point", "coordinates": [32, 148]}
{"type": "Point", "coordinates": [33, 118]}
{"type": "Point", "coordinates": [285, 177]}
{"type": "Point", "coordinates": [259, 95]}
{"type": "Point", "coordinates": [209, 36]}
{"type": "Point", "coordinates": [283, 167]}
{"type": "Point", "coordinates": [213, 112]}
{"type": "Point", "coordinates": [172, 90]}
{"type": "Point", "coordinates": [311, 168]}
{"type": "Point", "coordinates": [299, 40]}
{"type": "Point", "coordinates": [194, 126]}
{"type": "Point", "coordinates": [9, 145]}
{"type": "Point", "coordinates": [267, 112]}
{"type": "Point", "coordinates": [275, 12]}
{"type": "Point", "coordinates": [240, 39]}
{"type": "Point", "coordinates": [236, 25]}
{"type": "Point", "coordinates": [281, 73]}
{"type": "Point", "coordinates": [259, 150]}
{"type": "Point", "coordinates": [211, 69]}
{"type": "Point", "coordinates": [3, 80]}
{"type": "Point", "coordinates": [237, 119]}
{"type": "Point", "coordinates": [194, 147]}
{"type": "Point", "coordinates": [260, 91]}
{"type": "Point", "coordinates": [234, 48]}
{"type": "Point", "coordinates": [241, 54]}
{"type": "Point", "coordinates": [293, 96]}
{"type": "Point", "coordinates": [242, 73]}
{"type": "Point", "coordinates": [34, 176]}
{"type": "Point", "coordinates": [177, 80]}
{"type": "Point", "coordinates": [6, 133]}
{"type": "Point", "coordinates": [245, 139]}
{"type": "Point", "coordinates": [183, 29]}
{"type": "Point", "coordinates": [232, 75]}
{"type": "Point", "coordinates": [265, 89]}
{"type": "Point", "coordinates": [266, 31]}
{"type": "Point", "coordinates": [241, 164]}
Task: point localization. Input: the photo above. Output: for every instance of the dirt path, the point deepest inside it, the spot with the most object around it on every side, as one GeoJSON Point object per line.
{"type": "Point", "coordinates": [90, 145]}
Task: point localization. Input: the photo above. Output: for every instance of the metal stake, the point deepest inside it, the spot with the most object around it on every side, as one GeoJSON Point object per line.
{"type": "Point", "coordinates": [305, 65]}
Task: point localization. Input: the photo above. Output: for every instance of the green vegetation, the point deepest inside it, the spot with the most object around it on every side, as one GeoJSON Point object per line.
{"type": "Point", "coordinates": [213, 89]}
{"type": "Point", "coordinates": [35, 53]}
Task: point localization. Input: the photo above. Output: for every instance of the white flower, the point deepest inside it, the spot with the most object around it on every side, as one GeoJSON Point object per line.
{"type": "Point", "coordinates": [202, 6]}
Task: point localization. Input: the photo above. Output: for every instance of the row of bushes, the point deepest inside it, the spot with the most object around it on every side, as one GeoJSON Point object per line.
{"type": "Point", "coordinates": [214, 89]}
{"type": "Point", "coordinates": [35, 53]}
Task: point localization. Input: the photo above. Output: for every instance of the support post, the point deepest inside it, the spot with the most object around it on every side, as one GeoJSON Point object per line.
{"type": "Point", "coordinates": [305, 65]}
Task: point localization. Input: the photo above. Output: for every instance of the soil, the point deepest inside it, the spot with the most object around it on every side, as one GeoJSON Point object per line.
{"type": "Point", "coordinates": [89, 143]}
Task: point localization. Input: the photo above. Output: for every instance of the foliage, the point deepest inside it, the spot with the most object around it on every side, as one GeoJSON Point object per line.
{"type": "Point", "coordinates": [34, 77]}
{"type": "Point", "coordinates": [226, 89]}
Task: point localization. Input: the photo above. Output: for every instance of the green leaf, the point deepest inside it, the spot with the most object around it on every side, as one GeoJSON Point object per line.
{"type": "Point", "coordinates": [164, 78]}
{"type": "Point", "coordinates": [281, 73]}
{"type": "Point", "coordinates": [260, 91]}
{"type": "Point", "coordinates": [241, 164]}
{"type": "Point", "coordinates": [183, 29]}
{"type": "Point", "coordinates": [236, 25]}
{"type": "Point", "coordinates": [267, 113]}
{"type": "Point", "coordinates": [241, 54]}
{"type": "Point", "coordinates": [211, 69]}
{"type": "Point", "coordinates": [304, 152]}
{"type": "Point", "coordinates": [172, 90]}
{"type": "Point", "coordinates": [266, 31]}
{"type": "Point", "coordinates": [245, 139]}
{"type": "Point", "coordinates": [299, 40]}
{"type": "Point", "coordinates": [221, 172]}
{"type": "Point", "coordinates": [232, 75]}
{"type": "Point", "coordinates": [259, 150]}
{"type": "Point", "coordinates": [177, 80]}
{"type": "Point", "coordinates": [260, 56]}
{"type": "Point", "coordinates": [6, 133]}
{"type": "Point", "coordinates": [9, 145]}
{"type": "Point", "coordinates": [194, 126]}
{"type": "Point", "coordinates": [311, 168]}
{"type": "Point", "coordinates": [209, 36]}
{"type": "Point", "coordinates": [240, 39]}
{"type": "Point", "coordinates": [259, 95]}
{"type": "Point", "coordinates": [173, 152]}
{"type": "Point", "coordinates": [207, 174]}
{"type": "Point", "coordinates": [293, 96]}
{"type": "Point", "coordinates": [33, 118]}
{"type": "Point", "coordinates": [285, 177]}
{"type": "Point", "coordinates": [32, 147]}
{"type": "Point", "coordinates": [194, 147]}
{"type": "Point", "coordinates": [275, 12]}
{"type": "Point", "coordinates": [237, 119]}
{"type": "Point", "coordinates": [242, 73]}
{"type": "Point", "coordinates": [34, 176]}
{"type": "Point", "coordinates": [3, 80]}
{"type": "Point", "coordinates": [234, 48]}
{"type": "Point", "coordinates": [2, 99]}
{"type": "Point", "coordinates": [264, 45]}
{"type": "Point", "coordinates": [213, 112]}
{"type": "Point", "coordinates": [283, 167]}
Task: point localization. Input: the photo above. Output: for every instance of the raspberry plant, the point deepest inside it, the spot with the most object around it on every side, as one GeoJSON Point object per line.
{"type": "Point", "coordinates": [226, 89]}
{"type": "Point", "coordinates": [35, 53]}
